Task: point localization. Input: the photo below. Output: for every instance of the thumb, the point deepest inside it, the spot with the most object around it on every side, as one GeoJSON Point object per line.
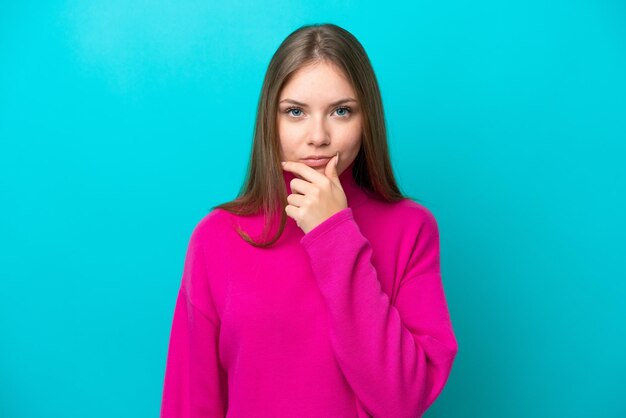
{"type": "Point", "coordinates": [331, 167]}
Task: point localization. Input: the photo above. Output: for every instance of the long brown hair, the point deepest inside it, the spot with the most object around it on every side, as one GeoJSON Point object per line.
{"type": "Point", "coordinates": [264, 188]}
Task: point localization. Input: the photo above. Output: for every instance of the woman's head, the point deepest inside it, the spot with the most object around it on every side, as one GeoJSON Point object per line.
{"type": "Point", "coordinates": [319, 115]}
{"type": "Point", "coordinates": [321, 54]}
{"type": "Point", "coordinates": [316, 65]}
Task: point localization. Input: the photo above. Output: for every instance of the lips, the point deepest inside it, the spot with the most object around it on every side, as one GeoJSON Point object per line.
{"type": "Point", "coordinates": [316, 162]}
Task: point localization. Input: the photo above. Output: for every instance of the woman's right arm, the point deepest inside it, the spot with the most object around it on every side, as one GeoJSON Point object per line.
{"type": "Point", "coordinates": [195, 383]}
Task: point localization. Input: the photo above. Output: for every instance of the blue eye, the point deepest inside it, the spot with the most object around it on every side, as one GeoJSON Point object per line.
{"type": "Point", "coordinates": [293, 109]}
{"type": "Point", "coordinates": [343, 111]}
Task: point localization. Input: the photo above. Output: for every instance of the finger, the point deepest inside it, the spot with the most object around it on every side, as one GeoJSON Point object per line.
{"type": "Point", "coordinates": [292, 212]}
{"type": "Point", "coordinates": [296, 200]}
{"type": "Point", "coordinates": [331, 168]}
{"type": "Point", "coordinates": [303, 170]}
{"type": "Point", "coordinates": [301, 186]}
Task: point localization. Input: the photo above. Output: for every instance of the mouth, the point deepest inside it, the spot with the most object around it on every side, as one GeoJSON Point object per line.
{"type": "Point", "coordinates": [316, 162]}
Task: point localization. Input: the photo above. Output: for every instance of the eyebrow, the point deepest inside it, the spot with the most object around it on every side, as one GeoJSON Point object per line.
{"type": "Point", "coordinates": [338, 102]}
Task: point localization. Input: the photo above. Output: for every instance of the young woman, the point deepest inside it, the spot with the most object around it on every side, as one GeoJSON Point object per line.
{"type": "Point", "coordinates": [339, 311]}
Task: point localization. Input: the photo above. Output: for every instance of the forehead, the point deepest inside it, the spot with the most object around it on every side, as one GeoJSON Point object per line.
{"type": "Point", "coordinates": [318, 82]}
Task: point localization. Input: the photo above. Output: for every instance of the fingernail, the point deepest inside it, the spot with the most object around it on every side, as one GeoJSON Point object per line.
{"type": "Point", "coordinates": [337, 160]}
{"type": "Point", "coordinates": [282, 163]}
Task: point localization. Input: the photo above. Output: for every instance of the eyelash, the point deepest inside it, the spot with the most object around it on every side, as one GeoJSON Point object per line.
{"type": "Point", "coordinates": [289, 109]}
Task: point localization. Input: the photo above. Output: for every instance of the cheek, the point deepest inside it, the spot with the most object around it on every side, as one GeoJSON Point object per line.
{"type": "Point", "coordinates": [350, 133]}
{"type": "Point", "coordinates": [353, 128]}
{"type": "Point", "coordinates": [354, 138]}
{"type": "Point", "coordinates": [285, 130]}
{"type": "Point", "coordinates": [291, 135]}
{"type": "Point", "coordinates": [288, 139]}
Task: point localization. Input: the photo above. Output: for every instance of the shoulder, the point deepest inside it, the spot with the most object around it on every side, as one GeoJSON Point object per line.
{"type": "Point", "coordinates": [402, 223]}
{"type": "Point", "coordinates": [417, 212]}
{"type": "Point", "coordinates": [216, 226]}
{"type": "Point", "coordinates": [406, 213]}
{"type": "Point", "coordinates": [419, 222]}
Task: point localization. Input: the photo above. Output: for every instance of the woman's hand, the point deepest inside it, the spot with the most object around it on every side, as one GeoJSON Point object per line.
{"type": "Point", "coordinates": [316, 196]}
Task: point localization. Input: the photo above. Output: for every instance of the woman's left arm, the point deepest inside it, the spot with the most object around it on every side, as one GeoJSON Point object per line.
{"type": "Point", "coordinates": [396, 357]}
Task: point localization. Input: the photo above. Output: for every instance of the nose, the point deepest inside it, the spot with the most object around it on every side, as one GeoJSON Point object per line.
{"type": "Point", "coordinates": [319, 134]}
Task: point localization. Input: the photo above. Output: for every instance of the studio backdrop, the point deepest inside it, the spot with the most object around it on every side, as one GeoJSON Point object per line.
{"type": "Point", "coordinates": [123, 122]}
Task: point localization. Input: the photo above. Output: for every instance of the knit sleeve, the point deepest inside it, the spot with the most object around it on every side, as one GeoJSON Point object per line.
{"type": "Point", "coordinates": [195, 384]}
{"type": "Point", "coordinates": [397, 358]}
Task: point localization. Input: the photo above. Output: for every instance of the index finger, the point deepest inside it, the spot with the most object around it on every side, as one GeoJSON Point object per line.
{"type": "Point", "coordinates": [305, 172]}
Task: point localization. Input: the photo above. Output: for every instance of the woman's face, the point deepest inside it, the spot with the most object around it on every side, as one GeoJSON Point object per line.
{"type": "Point", "coordinates": [318, 114]}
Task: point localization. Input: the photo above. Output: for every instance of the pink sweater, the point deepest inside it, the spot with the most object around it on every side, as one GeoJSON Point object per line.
{"type": "Point", "coordinates": [349, 320]}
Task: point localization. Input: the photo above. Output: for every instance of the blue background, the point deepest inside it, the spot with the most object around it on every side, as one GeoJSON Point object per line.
{"type": "Point", "coordinates": [123, 122]}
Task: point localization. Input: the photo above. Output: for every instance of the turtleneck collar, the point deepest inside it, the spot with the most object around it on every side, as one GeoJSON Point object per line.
{"type": "Point", "coordinates": [354, 193]}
